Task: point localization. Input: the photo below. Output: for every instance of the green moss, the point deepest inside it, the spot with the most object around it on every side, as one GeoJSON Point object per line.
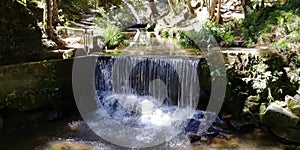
{"type": "Point", "coordinates": [43, 84]}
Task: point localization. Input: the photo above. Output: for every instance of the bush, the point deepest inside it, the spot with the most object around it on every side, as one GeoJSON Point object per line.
{"type": "Point", "coordinates": [257, 81]}
{"type": "Point", "coordinates": [113, 37]}
{"type": "Point", "coordinates": [223, 34]}
{"type": "Point", "coordinates": [269, 24]}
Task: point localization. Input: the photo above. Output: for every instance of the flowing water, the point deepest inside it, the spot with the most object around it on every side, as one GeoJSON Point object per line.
{"type": "Point", "coordinates": [152, 99]}
{"type": "Point", "coordinates": [74, 134]}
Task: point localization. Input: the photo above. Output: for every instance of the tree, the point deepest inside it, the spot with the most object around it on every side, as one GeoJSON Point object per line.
{"type": "Point", "coordinates": [56, 20]}
{"type": "Point", "coordinates": [211, 7]}
{"type": "Point", "coordinates": [49, 16]}
{"type": "Point", "coordinates": [154, 11]}
{"type": "Point", "coordinates": [193, 8]}
{"type": "Point", "coordinates": [133, 11]}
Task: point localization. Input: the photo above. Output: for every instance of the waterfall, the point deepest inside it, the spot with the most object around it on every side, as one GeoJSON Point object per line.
{"type": "Point", "coordinates": [152, 99]}
{"type": "Point", "coordinates": [172, 80]}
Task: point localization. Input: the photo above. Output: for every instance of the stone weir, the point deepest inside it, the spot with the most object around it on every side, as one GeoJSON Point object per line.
{"type": "Point", "coordinates": [173, 80]}
{"type": "Point", "coordinates": [32, 85]}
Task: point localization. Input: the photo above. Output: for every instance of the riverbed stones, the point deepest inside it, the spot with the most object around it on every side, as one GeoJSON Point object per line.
{"type": "Point", "coordinates": [71, 145]}
{"type": "Point", "coordinates": [278, 116]}
{"type": "Point", "coordinates": [224, 143]}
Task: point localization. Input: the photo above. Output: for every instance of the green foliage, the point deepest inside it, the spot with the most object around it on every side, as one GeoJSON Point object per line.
{"type": "Point", "coordinates": [50, 81]}
{"type": "Point", "coordinates": [113, 37]}
{"type": "Point", "coordinates": [265, 82]}
{"type": "Point", "coordinates": [121, 15]}
{"type": "Point", "coordinates": [186, 39]}
{"type": "Point", "coordinates": [259, 80]}
{"type": "Point", "coordinates": [165, 33]}
{"type": "Point", "coordinates": [82, 4]}
{"type": "Point", "coordinates": [10, 97]}
{"type": "Point", "coordinates": [223, 34]}
{"type": "Point", "coordinates": [269, 24]}
{"type": "Point", "coordinates": [108, 4]}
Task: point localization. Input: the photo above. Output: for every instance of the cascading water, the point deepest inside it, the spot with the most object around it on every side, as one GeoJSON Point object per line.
{"type": "Point", "coordinates": [156, 97]}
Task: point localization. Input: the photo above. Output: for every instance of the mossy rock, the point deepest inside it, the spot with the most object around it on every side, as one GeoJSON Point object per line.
{"type": "Point", "coordinates": [34, 85]}
{"type": "Point", "coordinates": [277, 116]}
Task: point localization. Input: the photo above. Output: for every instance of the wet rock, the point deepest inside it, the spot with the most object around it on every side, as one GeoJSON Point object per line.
{"type": "Point", "coordinates": [224, 143]}
{"type": "Point", "coordinates": [283, 118]}
{"type": "Point", "coordinates": [289, 134]}
{"type": "Point", "coordinates": [243, 126]}
{"type": "Point", "coordinates": [277, 116]}
{"type": "Point", "coordinates": [293, 104]}
{"type": "Point", "coordinates": [75, 125]}
{"type": "Point", "coordinates": [53, 115]}
{"type": "Point", "coordinates": [257, 133]}
{"type": "Point", "coordinates": [199, 147]}
{"type": "Point", "coordinates": [69, 145]}
{"type": "Point", "coordinates": [253, 106]}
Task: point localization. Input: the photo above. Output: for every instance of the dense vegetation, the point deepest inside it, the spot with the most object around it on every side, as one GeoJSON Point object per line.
{"type": "Point", "coordinates": [19, 32]}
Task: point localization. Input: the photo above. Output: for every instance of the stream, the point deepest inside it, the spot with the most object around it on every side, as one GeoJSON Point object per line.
{"type": "Point", "coordinates": [74, 134]}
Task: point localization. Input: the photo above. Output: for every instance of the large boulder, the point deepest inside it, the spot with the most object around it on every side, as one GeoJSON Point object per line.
{"type": "Point", "coordinates": [289, 134]}
{"type": "Point", "coordinates": [278, 116]}
{"type": "Point", "coordinates": [283, 118]}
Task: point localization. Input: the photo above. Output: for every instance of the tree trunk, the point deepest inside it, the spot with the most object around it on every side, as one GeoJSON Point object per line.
{"type": "Point", "coordinates": [96, 4]}
{"type": "Point", "coordinates": [191, 9]}
{"type": "Point", "coordinates": [244, 5]}
{"type": "Point", "coordinates": [48, 24]}
{"type": "Point", "coordinates": [56, 20]}
{"type": "Point", "coordinates": [154, 11]}
{"type": "Point", "coordinates": [212, 9]}
{"type": "Point", "coordinates": [207, 2]}
{"type": "Point", "coordinates": [171, 5]}
{"type": "Point", "coordinates": [59, 3]}
{"type": "Point", "coordinates": [219, 19]}
{"type": "Point", "coordinates": [133, 11]}
{"type": "Point", "coordinates": [262, 5]}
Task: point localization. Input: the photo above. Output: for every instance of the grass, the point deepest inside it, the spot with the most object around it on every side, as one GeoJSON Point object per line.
{"type": "Point", "coordinates": [113, 37]}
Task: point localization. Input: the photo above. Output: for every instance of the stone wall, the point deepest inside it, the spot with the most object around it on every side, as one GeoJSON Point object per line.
{"type": "Point", "coordinates": [32, 85]}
